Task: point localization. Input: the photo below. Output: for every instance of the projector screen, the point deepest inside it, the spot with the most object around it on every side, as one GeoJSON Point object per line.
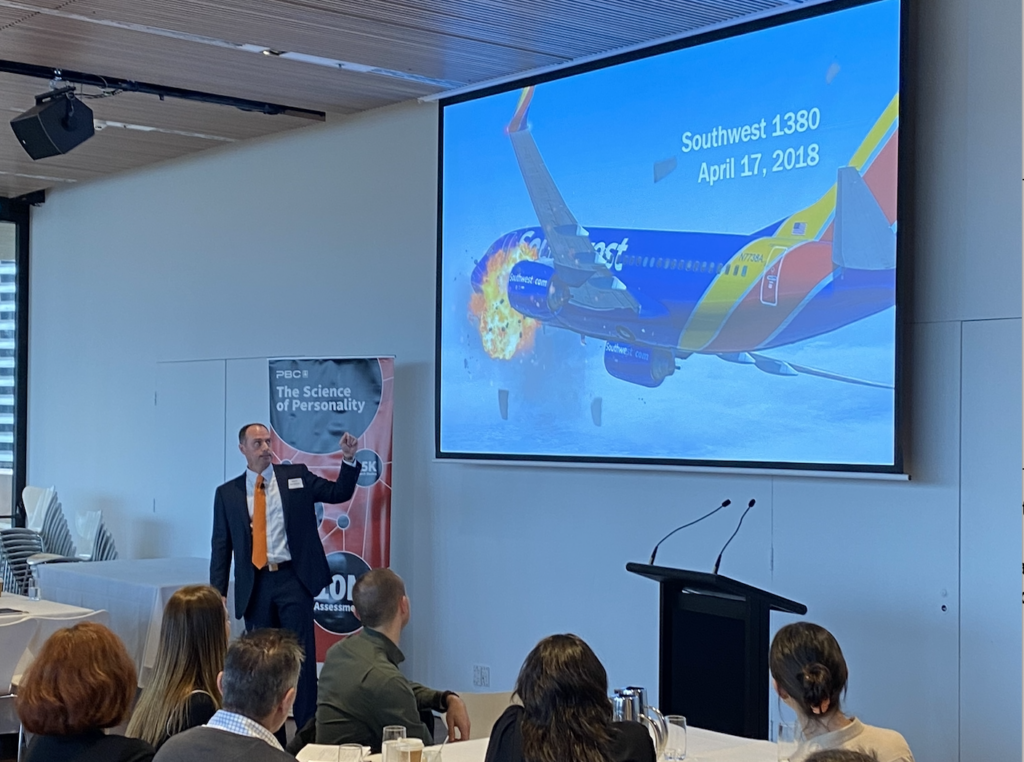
{"type": "Point", "coordinates": [687, 257]}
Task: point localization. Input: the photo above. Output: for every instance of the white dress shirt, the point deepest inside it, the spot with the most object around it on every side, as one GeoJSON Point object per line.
{"type": "Point", "coordinates": [277, 538]}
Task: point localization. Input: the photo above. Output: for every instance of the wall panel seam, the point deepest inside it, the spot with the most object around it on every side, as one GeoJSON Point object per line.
{"type": "Point", "coordinates": [959, 553]}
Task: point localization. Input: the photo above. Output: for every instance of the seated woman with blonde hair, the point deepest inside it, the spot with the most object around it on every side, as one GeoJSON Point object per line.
{"type": "Point", "coordinates": [182, 692]}
{"type": "Point", "coordinates": [566, 713]}
{"type": "Point", "coordinates": [82, 683]}
{"type": "Point", "coordinates": [809, 672]}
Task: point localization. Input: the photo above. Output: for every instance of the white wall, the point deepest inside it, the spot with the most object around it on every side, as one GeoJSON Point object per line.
{"type": "Point", "coordinates": [322, 243]}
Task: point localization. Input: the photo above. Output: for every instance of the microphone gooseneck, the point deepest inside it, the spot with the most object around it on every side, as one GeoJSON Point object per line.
{"type": "Point", "coordinates": [690, 524]}
{"type": "Point", "coordinates": [718, 561]}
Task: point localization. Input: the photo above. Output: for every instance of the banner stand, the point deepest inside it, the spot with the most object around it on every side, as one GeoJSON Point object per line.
{"type": "Point", "coordinates": [313, 402]}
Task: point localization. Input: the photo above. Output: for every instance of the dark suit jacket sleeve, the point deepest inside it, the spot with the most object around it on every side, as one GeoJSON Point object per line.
{"type": "Point", "coordinates": [338, 491]}
{"type": "Point", "coordinates": [220, 550]}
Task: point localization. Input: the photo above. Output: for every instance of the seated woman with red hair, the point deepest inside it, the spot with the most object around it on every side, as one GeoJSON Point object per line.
{"type": "Point", "coordinates": [82, 683]}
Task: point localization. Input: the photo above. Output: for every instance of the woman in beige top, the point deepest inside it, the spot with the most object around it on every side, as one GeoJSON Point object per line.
{"type": "Point", "coordinates": [809, 673]}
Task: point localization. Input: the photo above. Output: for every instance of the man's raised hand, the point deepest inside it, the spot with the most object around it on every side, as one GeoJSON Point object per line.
{"type": "Point", "coordinates": [349, 445]}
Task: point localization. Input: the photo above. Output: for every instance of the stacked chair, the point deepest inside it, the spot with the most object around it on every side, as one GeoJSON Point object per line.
{"type": "Point", "coordinates": [48, 538]}
{"type": "Point", "coordinates": [17, 545]}
{"type": "Point", "coordinates": [56, 536]}
{"type": "Point", "coordinates": [104, 549]}
{"type": "Point", "coordinates": [45, 515]}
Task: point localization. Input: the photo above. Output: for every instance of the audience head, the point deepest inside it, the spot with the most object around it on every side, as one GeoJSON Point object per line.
{"type": "Point", "coordinates": [254, 443]}
{"type": "Point", "coordinates": [82, 679]}
{"type": "Point", "coordinates": [379, 599]}
{"type": "Point", "coordinates": [841, 755]}
{"type": "Point", "coordinates": [808, 667]}
{"type": "Point", "coordinates": [193, 643]}
{"type": "Point", "coordinates": [261, 670]}
{"type": "Point", "coordinates": [194, 632]}
{"type": "Point", "coordinates": [567, 713]}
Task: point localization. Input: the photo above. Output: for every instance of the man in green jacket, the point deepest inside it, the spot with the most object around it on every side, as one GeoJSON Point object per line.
{"type": "Point", "coordinates": [361, 689]}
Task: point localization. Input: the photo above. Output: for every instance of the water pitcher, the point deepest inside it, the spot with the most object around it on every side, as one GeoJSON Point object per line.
{"type": "Point", "coordinates": [631, 704]}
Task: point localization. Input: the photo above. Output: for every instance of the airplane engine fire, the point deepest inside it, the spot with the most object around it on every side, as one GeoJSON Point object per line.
{"type": "Point", "coordinates": [504, 332]}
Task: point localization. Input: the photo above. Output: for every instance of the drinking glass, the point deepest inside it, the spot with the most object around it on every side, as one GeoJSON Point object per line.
{"type": "Point", "coordinates": [408, 750]}
{"type": "Point", "coordinates": [675, 747]}
{"type": "Point", "coordinates": [350, 752]}
{"type": "Point", "coordinates": [393, 734]}
{"type": "Point", "coordinates": [33, 592]}
{"type": "Point", "coordinates": [786, 740]}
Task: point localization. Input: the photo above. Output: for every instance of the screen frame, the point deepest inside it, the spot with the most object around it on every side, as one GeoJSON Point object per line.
{"type": "Point", "coordinates": [904, 175]}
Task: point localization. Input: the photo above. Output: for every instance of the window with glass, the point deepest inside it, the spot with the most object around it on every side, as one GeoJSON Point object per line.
{"type": "Point", "coordinates": [8, 360]}
{"type": "Point", "coordinates": [14, 223]}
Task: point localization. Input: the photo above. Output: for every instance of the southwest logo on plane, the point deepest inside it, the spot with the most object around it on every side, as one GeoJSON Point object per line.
{"type": "Point", "coordinates": [656, 296]}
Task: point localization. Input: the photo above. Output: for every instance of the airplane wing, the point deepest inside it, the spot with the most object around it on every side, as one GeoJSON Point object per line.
{"type": "Point", "coordinates": [785, 368]}
{"type": "Point", "coordinates": [569, 243]}
{"type": "Point", "coordinates": [595, 295]}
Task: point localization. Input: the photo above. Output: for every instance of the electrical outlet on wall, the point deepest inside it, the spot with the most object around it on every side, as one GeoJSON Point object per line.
{"type": "Point", "coordinates": [481, 676]}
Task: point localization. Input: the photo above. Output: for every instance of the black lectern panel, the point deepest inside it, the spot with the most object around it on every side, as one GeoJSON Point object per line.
{"type": "Point", "coordinates": [714, 649]}
{"type": "Point", "coordinates": [706, 640]}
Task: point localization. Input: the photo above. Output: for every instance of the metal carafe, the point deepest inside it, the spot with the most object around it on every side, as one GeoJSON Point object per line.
{"type": "Point", "coordinates": [631, 704]}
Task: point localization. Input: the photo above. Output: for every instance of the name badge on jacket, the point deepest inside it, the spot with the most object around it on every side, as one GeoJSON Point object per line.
{"type": "Point", "coordinates": [295, 484]}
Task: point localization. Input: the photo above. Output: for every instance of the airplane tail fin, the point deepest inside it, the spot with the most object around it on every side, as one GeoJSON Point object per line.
{"type": "Point", "coordinates": [863, 239]}
{"type": "Point", "coordinates": [518, 122]}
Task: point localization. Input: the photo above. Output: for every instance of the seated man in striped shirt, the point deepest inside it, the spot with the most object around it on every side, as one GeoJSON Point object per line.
{"type": "Point", "coordinates": [261, 670]}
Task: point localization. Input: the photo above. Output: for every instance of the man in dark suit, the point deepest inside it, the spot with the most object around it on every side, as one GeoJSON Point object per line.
{"type": "Point", "coordinates": [266, 518]}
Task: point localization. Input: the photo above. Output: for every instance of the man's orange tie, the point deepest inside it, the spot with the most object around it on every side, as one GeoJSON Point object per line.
{"type": "Point", "coordinates": [259, 525]}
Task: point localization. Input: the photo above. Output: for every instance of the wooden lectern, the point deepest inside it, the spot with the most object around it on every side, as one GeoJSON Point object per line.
{"type": "Point", "coordinates": [713, 666]}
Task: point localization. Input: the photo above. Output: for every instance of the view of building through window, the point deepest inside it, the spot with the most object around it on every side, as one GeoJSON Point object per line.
{"type": "Point", "coordinates": [8, 232]}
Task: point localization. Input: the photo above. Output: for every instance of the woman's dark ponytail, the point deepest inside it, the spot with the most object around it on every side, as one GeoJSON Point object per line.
{"type": "Point", "coordinates": [808, 666]}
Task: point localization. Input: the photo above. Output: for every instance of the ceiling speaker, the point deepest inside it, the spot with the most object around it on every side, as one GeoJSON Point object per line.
{"type": "Point", "coordinates": [56, 124]}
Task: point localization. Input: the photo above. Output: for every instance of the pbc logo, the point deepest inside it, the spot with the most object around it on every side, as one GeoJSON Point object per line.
{"type": "Point", "coordinates": [291, 374]}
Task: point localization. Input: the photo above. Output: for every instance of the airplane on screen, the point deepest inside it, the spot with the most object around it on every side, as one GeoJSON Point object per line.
{"type": "Point", "coordinates": [658, 296]}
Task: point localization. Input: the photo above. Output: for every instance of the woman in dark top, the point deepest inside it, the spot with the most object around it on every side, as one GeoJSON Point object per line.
{"type": "Point", "coordinates": [566, 713]}
{"type": "Point", "coordinates": [82, 682]}
{"type": "Point", "coordinates": [182, 692]}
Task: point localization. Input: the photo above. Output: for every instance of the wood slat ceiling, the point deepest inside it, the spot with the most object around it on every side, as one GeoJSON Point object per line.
{"type": "Point", "coordinates": [464, 41]}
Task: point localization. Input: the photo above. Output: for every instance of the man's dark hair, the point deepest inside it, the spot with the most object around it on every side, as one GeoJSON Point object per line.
{"type": "Point", "coordinates": [376, 596]}
{"type": "Point", "coordinates": [245, 430]}
{"type": "Point", "coordinates": [841, 755]}
{"type": "Point", "coordinates": [260, 667]}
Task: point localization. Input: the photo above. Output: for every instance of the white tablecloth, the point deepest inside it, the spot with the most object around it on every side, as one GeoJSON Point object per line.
{"type": "Point", "coordinates": [134, 592]}
{"type": "Point", "coordinates": [51, 616]}
{"type": "Point", "coordinates": [701, 746]}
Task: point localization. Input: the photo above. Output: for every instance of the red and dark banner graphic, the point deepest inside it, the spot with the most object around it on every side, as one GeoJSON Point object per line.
{"type": "Point", "coordinates": [313, 402]}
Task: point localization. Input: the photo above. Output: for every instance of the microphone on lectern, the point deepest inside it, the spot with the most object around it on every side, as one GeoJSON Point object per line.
{"type": "Point", "coordinates": [690, 524]}
{"type": "Point", "coordinates": [718, 561]}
